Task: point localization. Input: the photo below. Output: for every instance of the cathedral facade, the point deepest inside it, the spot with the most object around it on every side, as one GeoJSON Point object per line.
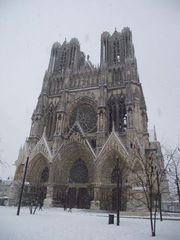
{"type": "Point", "coordinates": [87, 118]}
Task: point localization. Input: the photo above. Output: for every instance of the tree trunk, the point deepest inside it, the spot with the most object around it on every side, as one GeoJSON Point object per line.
{"type": "Point", "coordinates": [155, 211]}
{"type": "Point", "coordinates": [151, 221]}
{"type": "Point", "coordinates": [151, 212]}
{"type": "Point", "coordinates": [159, 195]}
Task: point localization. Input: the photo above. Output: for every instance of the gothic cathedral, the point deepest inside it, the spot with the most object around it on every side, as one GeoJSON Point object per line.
{"type": "Point", "coordinates": [86, 118]}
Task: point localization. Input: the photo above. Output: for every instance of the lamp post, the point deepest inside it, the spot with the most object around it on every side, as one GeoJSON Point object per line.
{"type": "Point", "coordinates": [118, 188]}
{"type": "Point", "coordinates": [22, 187]}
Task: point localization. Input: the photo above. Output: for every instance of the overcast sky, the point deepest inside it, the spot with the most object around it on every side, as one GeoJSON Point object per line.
{"type": "Point", "coordinates": [29, 28]}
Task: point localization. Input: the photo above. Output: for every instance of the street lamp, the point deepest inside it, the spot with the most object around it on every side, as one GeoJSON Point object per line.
{"type": "Point", "coordinates": [22, 187]}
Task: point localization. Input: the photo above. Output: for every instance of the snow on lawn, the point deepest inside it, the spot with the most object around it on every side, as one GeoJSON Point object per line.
{"type": "Point", "coordinates": [55, 224]}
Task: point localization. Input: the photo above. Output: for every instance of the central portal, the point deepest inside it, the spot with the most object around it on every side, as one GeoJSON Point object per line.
{"type": "Point", "coordinates": [78, 193]}
{"type": "Point", "coordinates": [78, 197]}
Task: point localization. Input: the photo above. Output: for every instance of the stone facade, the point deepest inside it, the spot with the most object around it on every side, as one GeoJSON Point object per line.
{"type": "Point", "coordinates": [86, 117]}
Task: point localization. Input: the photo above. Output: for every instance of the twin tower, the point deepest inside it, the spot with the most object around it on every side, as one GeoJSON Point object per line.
{"type": "Point", "coordinates": [115, 49]}
{"type": "Point", "coordinates": [86, 117]}
{"type": "Point", "coordinates": [109, 91]}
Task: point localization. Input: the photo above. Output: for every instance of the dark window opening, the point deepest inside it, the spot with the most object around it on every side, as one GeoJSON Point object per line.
{"type": "Point", "coordinates": [93, 143]}
{"type": "Point", "coordinates": [114, 176]}
{"type": "Point", "coordinates": [78, 172]}
{"type": "Point", "coordinates": [116, 51]}
{"type": "Point", "coordinates": [45, 175]}
{"type": "Point", "coordinates": [117, 114]}
{"type": "Point", "coordinates": [50, 123]}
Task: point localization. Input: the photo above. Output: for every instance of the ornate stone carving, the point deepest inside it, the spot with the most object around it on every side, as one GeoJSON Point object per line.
{"type": "Point", "coordinates": [86, 116]}
{"type": "Point", "coordinates": [41, 147]}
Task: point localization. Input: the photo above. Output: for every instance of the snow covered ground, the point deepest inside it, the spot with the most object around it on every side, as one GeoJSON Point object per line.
{"type": "Point", "coordinates": [55, 224]}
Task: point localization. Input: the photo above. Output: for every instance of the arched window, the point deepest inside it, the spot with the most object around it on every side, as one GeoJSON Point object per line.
{"type": "Point", "coordinates": [44, 175]}
{"type": "Point", "coordinates": [122, 116]}
{"type": "Point", "coordinates": [78, 172]}
{"type": "Point", "coordinates": [50, 128]}
{"type": "Point", "coordinates": [117, 114]}
{"type": "Point", "coordinates": [112, 113]}
{"type": "Point", "coordinates": [72, 56]}
{"type": "Point", "coordinates": [114, 176]}
{"type": "Point", "coordinates": [116, 51]}
{"type": "Point", "coordinates": [63, 60]}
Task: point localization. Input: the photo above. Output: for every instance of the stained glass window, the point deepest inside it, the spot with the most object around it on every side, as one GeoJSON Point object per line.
{"type": "Point", "coordinates": [86, 116]}
{"type": "Point", "coordinates": [78, 172]}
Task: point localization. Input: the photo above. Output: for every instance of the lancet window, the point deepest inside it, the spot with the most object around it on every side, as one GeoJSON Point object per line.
{"type": "Point", "coordinates": [116, 76]}
{"type": "Point", "coordinates": [50, 127]}
{"type": "Point", "coordinates": [114, 176]}
{"type": "Point", "coordinates": [72, 56]}
{"type": "Point", "coordinates": [117, 114]}
{"type": "Point", "coordinates": [116, 51]}
{"type": "Point", "coordinates": [63, 60]}
{"type": "Point", "coordinates": [45, 175]}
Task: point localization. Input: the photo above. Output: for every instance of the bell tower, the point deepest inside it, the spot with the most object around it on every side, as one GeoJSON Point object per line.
{"type": "Point", "coordinates": [116, 48]}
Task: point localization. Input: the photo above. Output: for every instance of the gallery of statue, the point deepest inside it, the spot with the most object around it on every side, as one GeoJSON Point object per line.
{"type": "Point", "coordinates": [87, 118]}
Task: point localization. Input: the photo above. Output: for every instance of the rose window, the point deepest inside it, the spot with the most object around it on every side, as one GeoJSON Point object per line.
{"type": "Point", "coordinates": [86, 116]}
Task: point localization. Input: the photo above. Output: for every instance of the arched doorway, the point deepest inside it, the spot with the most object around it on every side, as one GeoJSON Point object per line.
{"type": "Point", "coordinates": [78, 192]}
{"type": "Point", "coordinates": [108, 178]}
{"type": "Point", "coordinates": [37, 178]}
{"type": "Point", "coordinates": [78, 197]}
{"type": "Point", "coordinates": [73, 176]}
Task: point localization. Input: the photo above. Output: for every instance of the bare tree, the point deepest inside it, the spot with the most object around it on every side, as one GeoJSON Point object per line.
{"type": "Point", "coordinates": [173, 171]}
{"type": "Point", "coordinates": [148, 173]}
